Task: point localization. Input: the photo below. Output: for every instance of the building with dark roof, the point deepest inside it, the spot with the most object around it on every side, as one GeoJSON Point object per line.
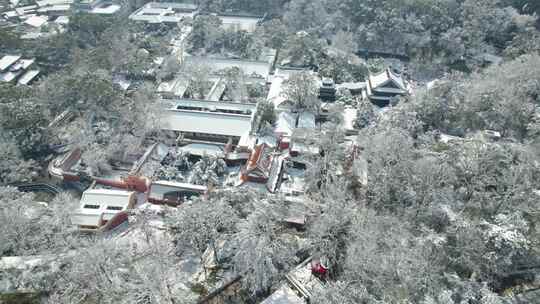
{"type": "Point", "coordinates": [383, 87]}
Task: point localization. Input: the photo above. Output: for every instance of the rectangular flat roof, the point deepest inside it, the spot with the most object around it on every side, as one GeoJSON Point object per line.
{"type": "Point", "coordinates": [22, 64]}
{"type": "Point", "coordinates": [111, 192]}
{"type": "Point", "coordinates": [9, 76]}
{"type": "Point", "coordinates": [179, 185]}
{"type": "Point", "coordinates": [206, 122]}
{"type": "Point", "coordinates": [53, 2]}
{"type": "Point", "coordinates": [106, 197]}
{"type": "Point", "coordinates": [55, 8]}
{"type": "Point", "coordinates": [28, 76]}
{"type": "Point", "coordinates": [85, 219]}
{"type": "Point", "coordinates": [173, 5]}
{"type": "Point", "coordinates": [36, 21]}
{"type": "Point", "coordinates": [306, 120]}
{"type": "Point", "coordinates": [215, 105]}
{"type": "Point", "coordinates": [246, 23]}
{"type": "Point", "coordinates": [158, 12]}
{"type": "Point", "coordinates": [7, 61]}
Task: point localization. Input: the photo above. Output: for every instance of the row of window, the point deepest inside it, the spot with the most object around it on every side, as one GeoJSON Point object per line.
{"type": "Point", "coordinates": [115, 208]}
{"type": "Point", "coordinates": [189, 108]}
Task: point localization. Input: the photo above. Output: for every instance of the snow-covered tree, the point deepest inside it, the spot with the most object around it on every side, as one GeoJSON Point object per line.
{"type": "Point", "coordinates": [169, 68]}
{"type": "Point", "coordinates": [207, 170]}
{"type": "Point", "coordinates": [114, 272]}
{"type": "Point", "coordinates": [386, 259]}
{"type": "Point", "coordinates": [13, 167]}
{"type": "Point", "coordinates": [301, 89]}
{"type": "Point", "coordinates": [366, 114]}
{"type": "Point", "coordinates": [176, 164]}
{"type": "Point", "coordinates": [30, 228]}
{"type": "Point", "coordinates": [328, 233]}
{"type": "Point", "coordinates": [198, 74]}
{"type": "Point", "coordinates": [265, 113]}
{"type": "Point", "coordinates": [200, 225]}
{"type": "Point", "coordinates": [263, 255]}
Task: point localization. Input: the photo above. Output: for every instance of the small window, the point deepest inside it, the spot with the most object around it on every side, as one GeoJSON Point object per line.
{"type": "Point", "coordinates": [91, 206]}
{"type": "Point", "coordinates": [114, 208]}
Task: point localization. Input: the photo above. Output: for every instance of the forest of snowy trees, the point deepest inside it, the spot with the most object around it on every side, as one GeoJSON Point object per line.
{"type": "Point", "coordinates": [449, 215]}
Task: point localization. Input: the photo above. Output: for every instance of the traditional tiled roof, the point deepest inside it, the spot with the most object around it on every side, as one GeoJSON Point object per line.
{"type": "Point", "coordinates": [260, 162]}
{"type": "Point", "coordinates": [387, 80]}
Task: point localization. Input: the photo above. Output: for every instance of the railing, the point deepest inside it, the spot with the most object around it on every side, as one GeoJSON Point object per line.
{"type": "Point", "coordinates": [38, 187]}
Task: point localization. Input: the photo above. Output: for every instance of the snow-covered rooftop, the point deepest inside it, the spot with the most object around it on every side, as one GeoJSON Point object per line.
{"type": "Point", "coordinates": [206, 122]}
{"type": "Point", "coordinates": [244, 23]}
{"type": "Point", "coordinates": [27, 77]}
{"type": "Point", "coordinates": [106, 196]}
{"type": "Point", "coordinates": [7, 61]}
{"type": "Point", "coordinates": [349, 118]}
{"type": "Point", "coordinates": [178, 185]}
{"type": "Point", "coordinates": [275, 93]}
{"type": "Point", "coordinates": [306, 120]}
{"type": "Point", "coordinates": [53, 2]}
{"type": "Point", "coordinates": [284, 295]}
{"type": "Point", "coordinates": [386, 77]}
{"type": "Point", "coordinates": [36, 21]}
{"type": "Point", "coordinates": [245, 108]}
{"type": "Point", "coordinates": [9, 76]}
{"type": "Point", "coordinates": [285, 123]}
{"type": "Point", "coordinates": [22, 64]}
{"type": "Point", "coordinates": [106, 10]}
{"type": "Point", "coordinates": [158, 12]}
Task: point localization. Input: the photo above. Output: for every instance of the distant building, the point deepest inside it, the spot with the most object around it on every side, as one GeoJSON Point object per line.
{"type": "Point", "coordinates": [26, 10]}
{"type": "Point", "coordinates": [99, 206]}
{"type": "Point", "coordinates": [355, 88]}
{"type": "Point", "coordinates": [54, 7]}
{"type": "Point", "coordinates": [13, 68]}
{"type": "Point", "coordinates": [240, 22]}
{"type": "Point", "coordinates": [383, 87]}
{"type": "Point", "coordinates": [39, 19]}
{"type": "Point", "coordinates": [253, 73]}
{"type": "Point", "coordinates": [172, 12]}
{"type": "Point", "coordinates": [164, 12]}
{"type": "Point", "coordinates": [327, 90]}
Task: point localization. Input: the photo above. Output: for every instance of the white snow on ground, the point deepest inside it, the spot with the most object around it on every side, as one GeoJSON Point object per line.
{"type": "Point", "coordinates": [284, 295]}
{"type": "Point", "coordinates": [349, 117]}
